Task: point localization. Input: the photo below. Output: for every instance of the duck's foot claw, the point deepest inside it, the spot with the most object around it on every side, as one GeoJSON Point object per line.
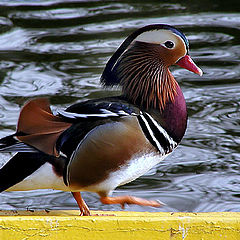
{"type": "Point", "coordinates": [84, 210]}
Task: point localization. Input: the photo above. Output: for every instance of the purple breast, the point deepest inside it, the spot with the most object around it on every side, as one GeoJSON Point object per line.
{"type": "Point", "coordinates": [174, 116]}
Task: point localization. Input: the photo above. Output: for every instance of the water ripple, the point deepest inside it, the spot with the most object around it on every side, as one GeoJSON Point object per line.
{"type": "Point", "coordinates": [29, 81]}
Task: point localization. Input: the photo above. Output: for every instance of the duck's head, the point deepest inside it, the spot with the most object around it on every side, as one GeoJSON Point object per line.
{"type": "Point", "coordinates": [141, 64]}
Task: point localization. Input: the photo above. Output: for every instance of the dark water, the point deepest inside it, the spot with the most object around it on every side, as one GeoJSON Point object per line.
{"type": "Point", "coordinates": [59, 48]}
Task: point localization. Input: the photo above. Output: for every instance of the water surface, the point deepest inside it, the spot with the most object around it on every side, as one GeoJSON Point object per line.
{"type": "Point", "coordinates": [59, 48]}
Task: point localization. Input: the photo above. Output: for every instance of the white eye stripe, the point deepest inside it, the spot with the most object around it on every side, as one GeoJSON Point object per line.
{"type": "Point", "coordinates": [161, 37]}
{"type": "Point", "coordinates": [157, 36]}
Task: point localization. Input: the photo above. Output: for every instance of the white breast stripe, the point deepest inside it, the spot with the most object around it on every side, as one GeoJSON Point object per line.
{"type": "Point", "coordinates": [173, 144]}
{"type": "Point", "coordinates": [160, 149]}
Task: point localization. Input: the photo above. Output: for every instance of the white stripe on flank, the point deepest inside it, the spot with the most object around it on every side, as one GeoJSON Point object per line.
{"type": "Point", "coordinates": [161, 150]}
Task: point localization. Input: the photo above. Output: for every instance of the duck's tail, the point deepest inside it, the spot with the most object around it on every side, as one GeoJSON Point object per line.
{"type": "Point", "coordinates": [20, 166]}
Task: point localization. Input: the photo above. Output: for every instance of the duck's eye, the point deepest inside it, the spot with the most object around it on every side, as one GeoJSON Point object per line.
{"type": "Point", "coordinates": [169, 44]}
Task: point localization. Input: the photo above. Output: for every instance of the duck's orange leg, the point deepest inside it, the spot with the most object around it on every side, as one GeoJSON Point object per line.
{"type": "Point", "coordinates": [84, 210]}
{"type": "Point", "coordinates": [122, 200]}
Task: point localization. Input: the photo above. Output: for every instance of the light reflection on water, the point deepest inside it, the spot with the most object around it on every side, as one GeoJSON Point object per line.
{"type": "Point", "coordinates": [57, 49]}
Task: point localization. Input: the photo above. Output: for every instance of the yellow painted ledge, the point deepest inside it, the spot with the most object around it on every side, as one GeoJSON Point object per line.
{"type": "Point", "coordinates": [67, 225]}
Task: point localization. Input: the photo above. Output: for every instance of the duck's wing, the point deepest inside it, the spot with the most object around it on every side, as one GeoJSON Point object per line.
{"type": "Point", "coordinates": [39, 127]}
{"type": "Point", "coordinates": [88, 115]}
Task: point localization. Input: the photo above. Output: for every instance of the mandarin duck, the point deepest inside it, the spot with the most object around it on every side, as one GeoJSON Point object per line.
{"type": "Point", "coordinates": [98, 145]}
